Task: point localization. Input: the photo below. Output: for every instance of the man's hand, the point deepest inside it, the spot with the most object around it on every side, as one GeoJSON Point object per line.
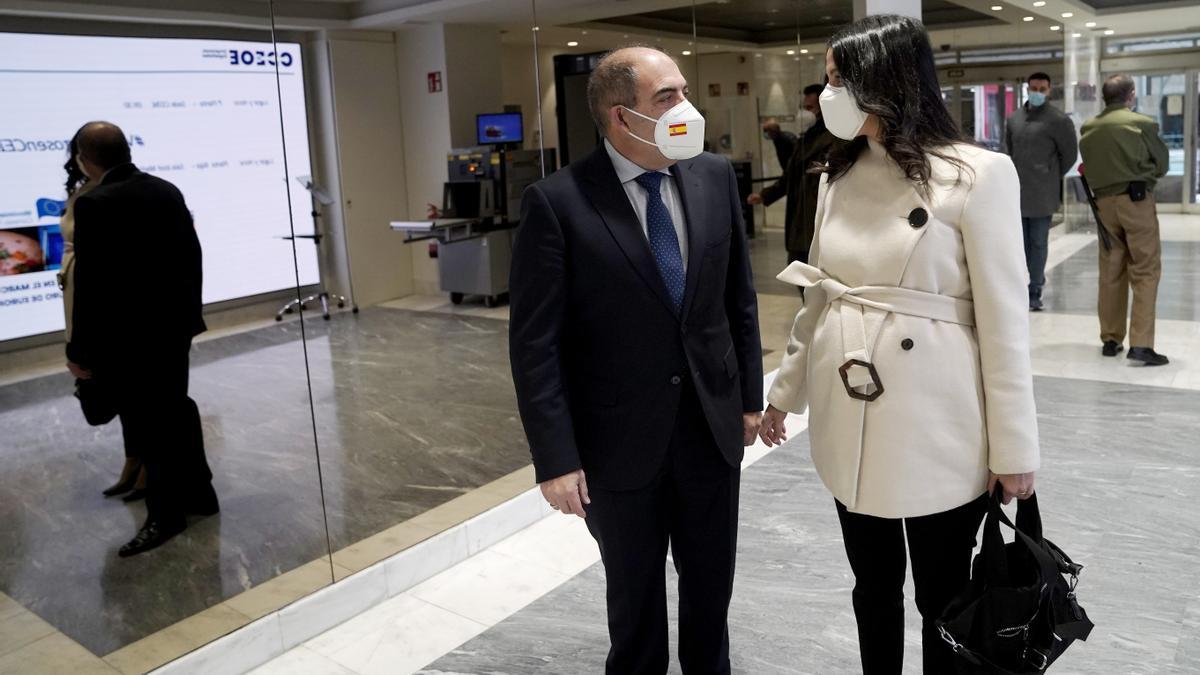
{"type": "Point", "coordinates": [1019, 485]}
{"type": "Point", "coordinates": [773, 431]}
{"type": "Point", "coordinates": [79, 371]}
{"type": "Point", "coordinates": [754, 199]}
{"type": "Point", "coordinates": [567, 494]}
{"type": "Point", "coordinates": [750, 425]}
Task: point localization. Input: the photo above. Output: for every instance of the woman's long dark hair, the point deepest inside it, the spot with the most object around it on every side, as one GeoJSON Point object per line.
{"type": "Point", "coordinates": [75, 176]}
{"type": "Point", "coordinates": [886, 61]}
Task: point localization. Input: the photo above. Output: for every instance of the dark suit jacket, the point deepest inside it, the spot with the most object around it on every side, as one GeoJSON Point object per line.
{"type": "Point", "coordinates": [801, 187]}
{"type": "Point", "coordinates": [599, 355]}
{"type": "Point", "coordinates": [137, 269]}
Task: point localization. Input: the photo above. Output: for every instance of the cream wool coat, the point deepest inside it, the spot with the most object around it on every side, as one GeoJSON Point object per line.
{"type": "Point", "coordinates": [950, 345]}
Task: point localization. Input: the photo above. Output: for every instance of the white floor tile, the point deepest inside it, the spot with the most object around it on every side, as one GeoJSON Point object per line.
{"type": "Point", "coordinates": [559, 543]}
{"type": "Point", "coordinates": [488, 587]}
{"type": "Point", "coordinates": [399, 636]}
{"type": "Point", "coordinates": [302, 661]}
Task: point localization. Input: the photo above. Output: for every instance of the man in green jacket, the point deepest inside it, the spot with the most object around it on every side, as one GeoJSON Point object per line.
{"type": "Point", "coordinates": [1123, 158]}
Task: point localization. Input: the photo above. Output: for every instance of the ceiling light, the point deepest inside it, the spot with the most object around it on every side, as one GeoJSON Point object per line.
{"type": "Point", "coordinates": [997, 8]}
{"type": "Point", "coordinates": [1029, 18]}
{"type": "Point", "coordinates": [758, 56]}
{"type": "Point", "coordinates": [803, 51]}
{"type": "Point", "coordinates": [1110, 32]}
{"type": "Point", "coordinates": [686, 53]}
{"type": "Point", "coordinates": [1039, 3]}
{"type": "Point", "coordinates": [1055, 27]}
{"type": "Point", "coordinates": [1067, 15]}
{"type": "Point", "coordinates": [1075, 35]}
{"type": "Point", "coordinates": [572, 43]}
{"type": "Point", "coordinates": [584, 32]}
{"type": "Point", "coordinates": [791, 52]}
{"type": "Point", "coordinates": [1090, 24]}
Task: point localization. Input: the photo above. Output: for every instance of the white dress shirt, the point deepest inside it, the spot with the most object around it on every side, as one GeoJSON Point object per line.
{"type": "Point", "coordinates": [627, 171]}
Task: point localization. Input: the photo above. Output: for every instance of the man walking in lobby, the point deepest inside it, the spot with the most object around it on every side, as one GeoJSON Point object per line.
{"type": "Point", "coordinates": [636, 357]}
{"type": "Point", "coordinates": [1040, 138]}
{"type": "Point", "coordinates": [140, 357]}
{"type": "Point", "coordinates": [1123, 158]}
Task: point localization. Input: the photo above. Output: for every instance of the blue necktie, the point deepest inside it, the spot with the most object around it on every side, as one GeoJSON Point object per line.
{"type": "Point", "coordinates": [664, 243]}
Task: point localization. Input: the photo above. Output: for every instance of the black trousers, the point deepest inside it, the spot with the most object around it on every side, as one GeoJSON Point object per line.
{"type": "Point", "coordinates": [161, 425]}
{"type": "Point", "coordinates": [692, 505]}
{"type": "Point", "coordinates": [940, 547]}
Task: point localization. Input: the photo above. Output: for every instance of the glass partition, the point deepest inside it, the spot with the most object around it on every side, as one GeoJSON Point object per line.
{"type": "Point", "coordinates": [202, 430]}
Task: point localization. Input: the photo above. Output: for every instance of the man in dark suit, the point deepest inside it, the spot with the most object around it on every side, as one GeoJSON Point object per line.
{"type": "Point", "coordinates": [636, 357]}
{"type": "Point", "coordinates": [798, 183]}
{"type": "Point", "coordinates": [134, 238]}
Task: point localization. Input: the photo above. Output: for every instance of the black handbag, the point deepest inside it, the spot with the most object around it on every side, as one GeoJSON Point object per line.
{"type": "Point", "coordinates": [98, 406]}
{"type": "Point", "coordinates": [1019, 613]}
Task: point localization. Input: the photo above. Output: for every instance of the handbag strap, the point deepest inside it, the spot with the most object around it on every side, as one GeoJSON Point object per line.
{"type": "Point", "coordinates": [995, 560]}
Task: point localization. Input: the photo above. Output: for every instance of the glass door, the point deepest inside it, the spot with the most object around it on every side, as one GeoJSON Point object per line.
{"type": "Point", "coordinates": [1164, 97]}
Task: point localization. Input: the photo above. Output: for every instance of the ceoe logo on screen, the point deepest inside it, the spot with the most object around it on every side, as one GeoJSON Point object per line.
{"type": "Point", "coordinates": [258, 58]}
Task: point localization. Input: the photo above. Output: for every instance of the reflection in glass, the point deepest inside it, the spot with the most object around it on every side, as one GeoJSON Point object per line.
{"type": "Point", "coordinates": [199, 110]}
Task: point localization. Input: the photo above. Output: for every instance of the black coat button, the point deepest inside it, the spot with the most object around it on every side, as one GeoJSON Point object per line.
{"type": "Point", "coordinates": [675, 380]}
{"type": "Point", "coordinates": [907, 344]}
{"type": "Point", "coordinates": [918, 217]}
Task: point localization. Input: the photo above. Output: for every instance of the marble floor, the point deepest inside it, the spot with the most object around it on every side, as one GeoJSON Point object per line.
{"type": "Point", "coordinates": [1118, 488]}
{"type": "Point", "coordinates": [411, 410]}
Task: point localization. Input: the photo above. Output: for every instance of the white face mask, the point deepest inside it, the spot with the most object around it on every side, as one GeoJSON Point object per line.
{"type": "Point", "coordinates": [843, 117]}
{"type": "Point", "coordinates": [678, 134]}
{"type": "Point", "coordinates": [806, 119]}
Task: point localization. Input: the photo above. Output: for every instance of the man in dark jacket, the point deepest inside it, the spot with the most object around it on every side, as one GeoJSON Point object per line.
{"type": "Point", "coordinates": [636, 357]}
{"type": "Point", "coordinates": [799, 184]}
{"type": "Point", "coordinates": [783, 140]}
{"type": "Point", "coordinates": [134, 236]}
{"type": "Point", "coordinates": [1041, 141]}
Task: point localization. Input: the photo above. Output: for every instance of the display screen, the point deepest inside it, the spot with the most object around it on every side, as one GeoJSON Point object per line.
{"type": "Point", "coordinates": [202, 114]}
{"type": "Point", "coordinates": [499, 128]}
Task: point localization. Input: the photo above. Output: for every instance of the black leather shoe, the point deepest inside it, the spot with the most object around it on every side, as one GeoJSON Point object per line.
{"type": "Point", "coordinates": [1112, 348]}
{"type": "Point", "coordinates": [1035, 304]}
{"type": "Point", "coordinates": [1147, 356]}
{"type": "Point", "coordinates": [151, 536]}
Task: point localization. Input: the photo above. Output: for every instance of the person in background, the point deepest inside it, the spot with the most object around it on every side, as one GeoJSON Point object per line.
{"type": "Point", "coordinates": [784, 141]}
{"type": "Point", "coordinates": [636, 358]}
{"type": "Point", "coordinates": [128, 221]}
{"type": "Point", "coordinates": [1123, 158]}
{"type": "Point", "coordinates": [1040, 138]}
{"type": "Point", "coordinates": [912, 348]}
{"type": "Point", "coordinates": [133, 474]}
{"type": "Point", "coordinates": [799, 183]}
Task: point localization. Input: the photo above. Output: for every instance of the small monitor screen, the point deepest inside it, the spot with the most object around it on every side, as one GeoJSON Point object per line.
{"type": "Point", "coordinates": [499, 128]}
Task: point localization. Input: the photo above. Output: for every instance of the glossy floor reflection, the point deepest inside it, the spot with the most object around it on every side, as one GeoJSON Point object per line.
{"type": "Point", "coordinates": [412, 410]}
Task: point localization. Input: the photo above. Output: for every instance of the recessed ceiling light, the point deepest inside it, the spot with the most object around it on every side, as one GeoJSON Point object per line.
{"type": "Point", "coordinates": [791, 52]}
{"type": "Point", "coordinates": [1067, 15]}
{"type": "Point", "coordinates": [997, 8]}
{"type": "Point", "coordinates": [1039, 3]}
{"type": "Point", "coordinates": [758, 56]}
{"type": "Point", "coordinates": [686, 53]}
{"type": "Point", "coordinates": [572, 43]}
{"type": "Point", "coordinates": [1110, 32]}
{"type": "Point", "coordinates": [1055, 27]}
{"type": "Point", "coordinates": [1090, 24]}
{"type": "Point", "coordinates": [1029, 18]}
{"type": "Point", "coordinates": [803, 51]}
{"type": "Point", "coordinates": [1075, 35]}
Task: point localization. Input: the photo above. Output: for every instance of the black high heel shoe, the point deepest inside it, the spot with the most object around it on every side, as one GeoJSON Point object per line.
{"type": "Point", "coordinates": [128, 480]}
{"type": "Point", "coordinates": [139, 488]}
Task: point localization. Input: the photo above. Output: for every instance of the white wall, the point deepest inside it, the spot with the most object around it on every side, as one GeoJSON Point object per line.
{"type": "Point", "coordinates": [421, 50]}
{"type": "Point", "coordinates": [473, 78]}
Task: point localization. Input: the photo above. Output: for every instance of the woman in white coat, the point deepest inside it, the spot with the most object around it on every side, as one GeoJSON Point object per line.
{"type": "Point", "coordinates": [912, 348]}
